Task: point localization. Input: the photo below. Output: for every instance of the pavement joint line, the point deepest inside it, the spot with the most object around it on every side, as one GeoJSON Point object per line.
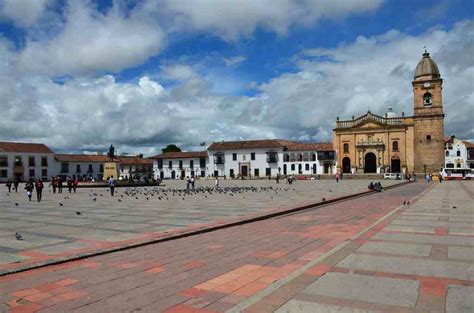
{"type": "Point", "coordinates": [245, 304]}
{"type": "Point", "coordinates": [252, 219]}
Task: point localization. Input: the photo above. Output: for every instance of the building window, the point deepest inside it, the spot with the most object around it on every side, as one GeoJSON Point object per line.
{"type": "Point", "coordinates": [18, 161]}
{"type": "Point", "coordinates": [395, 146]}
{"type": "Point", "coordinates": [180, 164]}
{"type": "Point", "coordinates": [170, 164]}
{"type": "Point", "coordinates": [458, 165]}
{"type": "Point", "coordinates": [31, 161]}
{"type": "Point", "coordinates": [346, 148]}
{"type": "Point", "coordinates": [292, 157]}
{"type": "Point", "coordinates": [286, 158]}
{"type": "Point", "coordinates": [252, 156]}
{"type": "Point", "coordinates": [449, 165]}
{"type": "Point", "coordinates": [78, 168]}
{"type": "Point", "coordinates": [3, 161]}
{"type": "Point", "coordinates": [231, 173]}
{"type": "Point", "coordinates": [202, 162]}
{"type": "Point", "coordinates": [219, 158]}
{"type": "Point", "coordinates": [3, 173]}
{"type": "Point", "coordinates": [313, 157]}
{"type": "Point", "coordinates": [306, 167]}
{"type": "Point", "coordinates": [101, 168]}
{"type": "Point", "coordinates": [44, 161]}
{"type": "Point", "coordinates": [428, 137]}
{"type": "Point", "coordinates": [256, 172]}
{"type": "Point", "coordinates": [447, 153]}
{"type": "Point", "coordinates": [234, 156]}
{"type": "Point", "coordinates": [90, 170]}
{"type": "Point", "coordinates": [427, 99]}
{"type": "Point", "coordinates": [191, 163]}
{"type": "Point", "coordinates": [458, 153]}
{"type": "Point", "coordinates": [300, 157]}
{"type": "Point", "coordinates": [64, 167]}
{"type": "Point", "coordinates": [44, 172]}
{"type": "Point", "coordinates": [292, 167]}
{"type": "Point", "coordinates": [268, 171]}
{"type": "Point", "coordinates": [32, 173]}
{"type": "Point", "coordinates": [272, 157]}
{"type": "Point", "coordinates": [305, 157]}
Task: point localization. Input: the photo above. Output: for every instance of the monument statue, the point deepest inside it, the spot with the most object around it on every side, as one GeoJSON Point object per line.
{"type": "Point", "coordinates": [111, 153]}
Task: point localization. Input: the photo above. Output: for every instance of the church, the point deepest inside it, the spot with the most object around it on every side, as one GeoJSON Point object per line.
{"type": "Point", "coordinates": [378, 144]}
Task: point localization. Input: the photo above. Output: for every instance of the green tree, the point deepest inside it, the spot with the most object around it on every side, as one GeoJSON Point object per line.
{"type": "Point", "coordinates": [171, 148]}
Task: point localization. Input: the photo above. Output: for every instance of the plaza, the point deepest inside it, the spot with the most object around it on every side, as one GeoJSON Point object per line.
{"type": "Point", "coordinates": [407, 249]}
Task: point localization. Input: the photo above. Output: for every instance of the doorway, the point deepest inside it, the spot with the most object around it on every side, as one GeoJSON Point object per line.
{"type": "Point", "coordinates": [370, 163]}
{"type": "Point", "coordinates": [395, 166]}
{"type": "Point", "coordinates": [173, 174]}
{"type": "Point", "coordinates": [346, 165]}
{"type": "Point", "coordinates": [244, 170]}
{"type": "Point", "coordinates": [284, 169]}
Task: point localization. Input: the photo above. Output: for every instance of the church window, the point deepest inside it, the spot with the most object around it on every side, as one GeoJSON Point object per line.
{"type": "Point", "coordinates": [346, 148]}
{"type": "Point", "coordinates": [395, 146]}
{"type": "Point", "coordinates": [427, 99]}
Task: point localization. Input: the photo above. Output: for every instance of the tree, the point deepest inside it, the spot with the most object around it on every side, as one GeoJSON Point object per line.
{"type": "Point", "coordinates": [171, 148]}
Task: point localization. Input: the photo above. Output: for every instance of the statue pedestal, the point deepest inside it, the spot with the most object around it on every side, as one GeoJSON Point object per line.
{"type": "Point", "coordinates": [110, 169]}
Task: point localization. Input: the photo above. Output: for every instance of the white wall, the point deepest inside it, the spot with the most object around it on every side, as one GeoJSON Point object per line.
{"type": "Point", "coordinates": [84, 169]}
{"type": "Point", "coordinates": [26, 168]}
{"type": "Point", "coordinates": [451, 154]}
{"type": "Point", "coordinates": [166, 171]}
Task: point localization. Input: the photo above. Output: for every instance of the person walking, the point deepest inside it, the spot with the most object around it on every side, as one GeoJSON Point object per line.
{"type": "Point", "coordinates": [59, 182]}
{"type": "Point", "coordinates": [111, 183]}
{"type": "Point", "coordinates": [216, 183]}
{"type": "Point", "coordinates": [9, 185]}
{"type": "Point", "coordinates": [29, 189]}
{"type": "Point", "coordinates": [188, 182]}
{"type": "Point", "coordinates": [75, 183]}
{"type": "Point", "coordinates": [337, 177]}
{"type": "Point", "coordinates": [192, 182]}
{"type": "Point", "coordinates": [54, 183]}
{"type": "Point", "coordinates": [278, 178]}
{"type": "Point", "coordinates": [440, 177]}
{"type": "Point", "coordinates": [39, 189]}
{"type": "Point", "coordinates": [69, 184]}
{"type": "Point", "coordinates": [16, 182]}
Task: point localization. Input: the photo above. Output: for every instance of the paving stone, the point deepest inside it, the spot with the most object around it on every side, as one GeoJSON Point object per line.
{"type": "Point", "coordinates": [466, 253]}
{"type": "Point", "coordinates": [390, 291]}
{"type": "Point", "coordinates": [396, 248]}
{"type": "Point", "coordinates": [411, 229]}
{"type": "Point", "coordinates": [6, 258]}
{"type": "Point", "coordinates": [457, 270]}
{"type": "Point", "coordinates": [297, 306]}
{"type": "Point", "coordinates": [460, 299]}
{"type": "Point", "coordinates": [427, 239]}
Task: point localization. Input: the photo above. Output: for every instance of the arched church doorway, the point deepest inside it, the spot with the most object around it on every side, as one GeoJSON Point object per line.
{"type": "Point", "coordinates": [370, 163]}
{"type": "Point", "coordinates": [346, 165]}
{"type": "Point", "coordinates": [395, 166]}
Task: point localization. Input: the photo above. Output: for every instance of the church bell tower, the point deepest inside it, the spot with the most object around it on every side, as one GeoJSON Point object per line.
{"type": "Point", "coordinates": [428, 118]}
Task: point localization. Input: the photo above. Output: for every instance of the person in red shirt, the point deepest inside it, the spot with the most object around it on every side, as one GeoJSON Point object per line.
{"type": "Point", "coordinates": [39, 189]}
{"type": "Point", "coordinates": [75, 182]}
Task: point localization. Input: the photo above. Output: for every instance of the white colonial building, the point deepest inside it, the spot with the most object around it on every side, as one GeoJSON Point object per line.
{"type": "Point", "coordinates": [267, 158]}
{"type": "Point", "coordinates": [25, 161]}
{"type": "Point", "coordinates": [177, 165]}
{"type": "Point", "coordinates": [458, 153]}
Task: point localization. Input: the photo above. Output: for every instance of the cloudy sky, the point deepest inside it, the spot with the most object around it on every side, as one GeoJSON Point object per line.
{"type": "Point", "coordinates": [79, 75]}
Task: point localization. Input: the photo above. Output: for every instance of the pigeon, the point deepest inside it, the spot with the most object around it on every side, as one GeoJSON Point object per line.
{"type": "Point", "coordinates": [404, 202]}
{"type": "Point", "coordinates": [18, 236]}
{"type": "Point", "coordinates": [60, 204]}
{"type": "Point", "coordinates": [95, 199]}
{"type": "Point", "coordinates": [16, 203]}
{"type": "Point", "coordinates": [78, 213]}
{"type": "Point", "coordinates": [119, 200]}
{"type": "Point", "coordinates": [323, 199]}
{"type": "Point", "coordinates": [455, 207]}
{"type": "Point", "coordinates": [408, 202]}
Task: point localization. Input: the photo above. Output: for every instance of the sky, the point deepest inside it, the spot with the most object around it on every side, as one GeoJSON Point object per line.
{"type": "Point", "coordinates": [80, 75]}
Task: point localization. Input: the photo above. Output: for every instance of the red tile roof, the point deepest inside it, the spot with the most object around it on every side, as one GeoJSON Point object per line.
{"type": "Point", "coordinates": [272, 143]}
{"type": "Point", "coordinates": [135, 161]}
{"type": "Point", "coordinates": [81, 158]}
{"type": "Point", "coordinates": [181, 155]}
{"type": "Point", "coordinates": [22, 147]}
{"type": "Point", "coordinates": [468, 144]}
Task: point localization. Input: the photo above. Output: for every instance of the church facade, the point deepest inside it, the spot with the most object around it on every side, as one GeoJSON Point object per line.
{"type": "Point", "coordinates": [399, 144]}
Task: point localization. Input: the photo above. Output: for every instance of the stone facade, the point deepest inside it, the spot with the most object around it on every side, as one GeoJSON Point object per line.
{"type": "Point", "coordinates": [391, 143]}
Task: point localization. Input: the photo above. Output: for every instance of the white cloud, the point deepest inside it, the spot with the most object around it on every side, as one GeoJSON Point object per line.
{"type": "Point", "coordinates": [91, 42]}
{"type": "Point", "coordinates": [233, 19]}
{"type": "Point", "coordinates": [90, 113]}
{"type": "Point", "coordinates": [234, 60]}
{"type": "Point", "coordinates": [24, 13]}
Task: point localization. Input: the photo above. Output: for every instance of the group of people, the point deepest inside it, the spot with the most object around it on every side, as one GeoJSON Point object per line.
{"type": "Point", "coordinates": [57, 184]}
{"type": "Point", "coordinates": [190, 182]}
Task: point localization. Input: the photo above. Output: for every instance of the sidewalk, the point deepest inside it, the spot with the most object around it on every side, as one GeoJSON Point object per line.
{"type": "Point", "coordinates": [420, 259]}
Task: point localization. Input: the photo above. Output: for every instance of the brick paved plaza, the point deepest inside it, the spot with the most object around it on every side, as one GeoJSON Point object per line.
{"type": "Point", "coordinates": [53, 231]}
{"type": "Point", "coordinates": [368, 254]}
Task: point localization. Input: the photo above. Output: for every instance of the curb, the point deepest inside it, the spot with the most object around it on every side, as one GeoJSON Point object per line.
{"type": "Point", "coordinates": [202, 230]}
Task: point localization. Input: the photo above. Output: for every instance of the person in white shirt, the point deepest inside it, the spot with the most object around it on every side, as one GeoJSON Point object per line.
{"type": "Point", "coordinates": [111, 183]}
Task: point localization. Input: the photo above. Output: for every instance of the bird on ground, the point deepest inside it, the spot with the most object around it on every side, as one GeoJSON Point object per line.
{"type": "Point", "coordinates": [404, 202]}
{"type": "Point", "coordinates": [18, 236]}
{"type": "Point", "coordinates": [78, 213]}
{"type": "Point", "coordinates": [455, 207]}
{"type": "Point", "coordinates": [119, 200]}
{"type": "Point", "coordinates": [16, 203]}
{"type": "Point", "coordinates": [323, 199]}
{"type": "Point", "coordinates": [95, 199]}
{"type": "Point", "coordinates": [60, 204]}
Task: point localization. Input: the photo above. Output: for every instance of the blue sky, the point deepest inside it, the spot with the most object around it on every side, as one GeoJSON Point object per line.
{"type": "Point", "coordinates": [158, 72]}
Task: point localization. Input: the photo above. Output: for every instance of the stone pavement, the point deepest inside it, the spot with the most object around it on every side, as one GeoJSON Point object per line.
{"type": "Point", "coordinates": [52, 230]}
{"type": "Point", "coordinates": [419, 259]}
{"type": "Point", "coordinates": [227, 269]}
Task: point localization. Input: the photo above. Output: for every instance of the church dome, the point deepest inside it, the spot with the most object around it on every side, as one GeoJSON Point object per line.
{"type": "Point", "coordinates": [426, 67]}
